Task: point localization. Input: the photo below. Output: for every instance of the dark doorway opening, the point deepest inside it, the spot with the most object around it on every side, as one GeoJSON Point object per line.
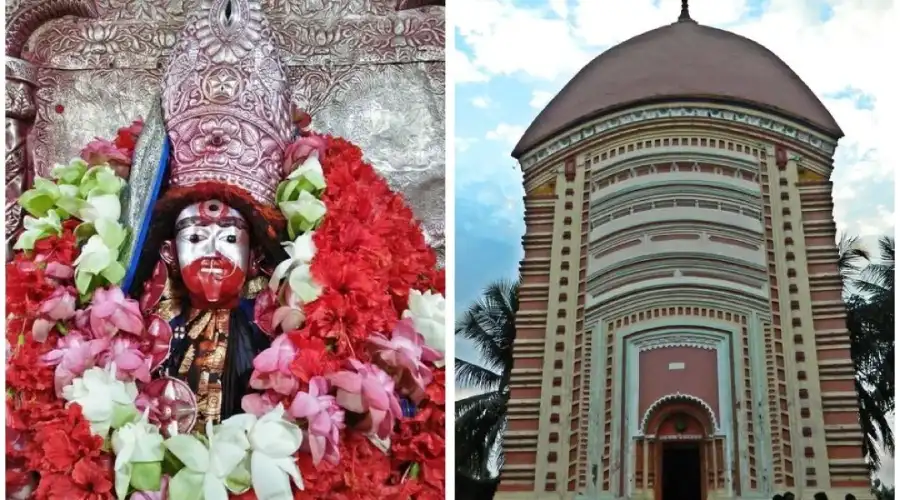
{"type": "Point", "coordinates": [681, 472]}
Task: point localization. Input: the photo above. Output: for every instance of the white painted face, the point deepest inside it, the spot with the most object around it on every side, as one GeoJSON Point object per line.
{"type": "Point", "coordinates": [212, 230]}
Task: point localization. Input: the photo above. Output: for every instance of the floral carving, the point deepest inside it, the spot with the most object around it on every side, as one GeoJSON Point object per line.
{"type": "Point", "coordinates": [407, 36]}
{"type": "Point", "coordinates": [337, 52]}
{"type": "Point", "coordinates": [669, 398]}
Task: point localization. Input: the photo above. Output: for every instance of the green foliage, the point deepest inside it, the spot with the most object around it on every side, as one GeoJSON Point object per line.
{"type": "Point", "coordinates": [869, 295]}
{"type": "Point", "coordinates": [490, 324]}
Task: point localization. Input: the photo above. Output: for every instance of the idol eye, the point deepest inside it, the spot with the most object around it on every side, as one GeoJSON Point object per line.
{"type": "Point", "coordinates": [194, 238]}
{"type": "Point", "coordinates": [231, 238]}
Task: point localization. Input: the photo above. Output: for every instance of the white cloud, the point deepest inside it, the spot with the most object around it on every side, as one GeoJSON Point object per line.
{"type": "Point", "coordinates": [481, 102]}
{"type": "Point", "coordinates": [540, 98]}
{"type": "Point", "coordinates": [508, 40]}
{"type": "Point", "coordinates": [560, 8]}
{"type": "Point", "coordinates": [463, 69]}
{"type": "Point", "coordinates": [507, 133]}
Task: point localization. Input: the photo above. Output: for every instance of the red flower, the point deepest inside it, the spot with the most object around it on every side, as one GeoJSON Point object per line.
{"type": "Point", "coordinates": [313, 358]}
{"type": "Point", "coordinates": [89, 480]}
{"type": "Point", "coordinates": [126, 137]}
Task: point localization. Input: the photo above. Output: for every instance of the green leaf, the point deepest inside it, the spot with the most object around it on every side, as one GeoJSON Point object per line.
{"type": "Point", "coordinates": [146, 476]}
{"type": "Point", "coordinates": [83, 284]}
{"type": "Point", "coordinates": [171, 464]}
{"type": "Point", "coordinates": [192, 453]}
{"type": "Point", "coordinates": [36, 203]}
{"type": "Point", "coordinates": [279, 192]}
{"type": "Point", "coordinates": [84, 231]}
{"type": "Point", "coordinates": [124, 414]}
{"type": "Point", "coordinates": [111, 232]}
{"type": "Point", "coordinates": [414, 471]}
{"type": "Point", "coordinates": [186, 485]}
{"type": "Point", "coordinates": [71, 173]}
{"type": "Point", "coordinates": [114, 273]}
{"type": "Point", "coordinates": [26, 241]}
{"type": "Point", "coordinates": [239, 481]}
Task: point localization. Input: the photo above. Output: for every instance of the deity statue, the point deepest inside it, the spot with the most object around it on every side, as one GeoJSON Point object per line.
{"type": "Point", "coordinates": [228, 121]}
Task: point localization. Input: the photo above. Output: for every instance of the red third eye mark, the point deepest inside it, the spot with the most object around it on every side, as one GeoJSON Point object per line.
{"type": "Point", "coordinates": [60, 109]}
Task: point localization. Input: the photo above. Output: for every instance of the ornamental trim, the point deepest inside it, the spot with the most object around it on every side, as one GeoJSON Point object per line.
{"type": "Point", "coordinates": [665, 341]}
{"type": "Point", "coordinates": [772, 124]}
{"type": "Point", "coordinates": [668, 398]}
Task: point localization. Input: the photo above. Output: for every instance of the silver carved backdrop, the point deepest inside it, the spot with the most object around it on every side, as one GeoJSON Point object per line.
{"type": "Point", "coordinates": [371, 71]}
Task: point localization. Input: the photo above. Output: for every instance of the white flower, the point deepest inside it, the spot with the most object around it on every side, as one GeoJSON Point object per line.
{"type": "Point", "coordinates": [310, 171]}
{"type": "Point", "coordinates": [104, 399]}
{"type": "Point", "coordinates": [139, 453]}
{"type": "Point", "coordinates": [427, 311]}
{"type": "Point", "coordinates": [206, 470]}
{"type": "Point", "coordinates": [296, 269]}
{"type": "Point", "coordinates": [273, 442]}
{"type": "Point", "coordinates": [97, 206]}
{"type": "Point", "coordinates": [303, 214]}
{"type": "Point", "coordinates": [99, 256]}
{"type": "Point", "coordinates": [37, 229]}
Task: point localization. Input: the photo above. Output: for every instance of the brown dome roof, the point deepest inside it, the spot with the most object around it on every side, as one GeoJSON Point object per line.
{"type": "Point", "coordinates": [682, 60]}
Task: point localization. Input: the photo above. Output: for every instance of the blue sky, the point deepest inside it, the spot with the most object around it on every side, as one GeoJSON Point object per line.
{"type": "Point", "coordinates": [511, 57]}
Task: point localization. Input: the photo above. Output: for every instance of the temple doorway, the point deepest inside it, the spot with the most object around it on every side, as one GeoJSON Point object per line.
{"type": "Point", "coordinates": [682, 474]}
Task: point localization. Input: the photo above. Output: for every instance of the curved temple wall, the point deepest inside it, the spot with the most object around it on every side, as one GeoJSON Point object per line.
{"type": "Point", "coordinates": [682, 256]}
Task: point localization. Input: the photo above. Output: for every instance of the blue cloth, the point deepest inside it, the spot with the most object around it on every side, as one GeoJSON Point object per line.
{"type": "Point", "coordinates": [409, 409]}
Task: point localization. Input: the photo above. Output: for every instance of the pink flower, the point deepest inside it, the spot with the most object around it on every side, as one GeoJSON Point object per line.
{"type": "Point", "coordinates": [59, 271]}
{"type": "Point", "coordinates": [259, 404]}
{"type": "Point", "coordinates": [111, 312]}
{"type": "Point", "coordinates": [162, 494]}
{"type": "Point", "coordinates": [73, 355]}
{"type": "Point", "coordinates": [264, 310]}
{"type": "Point", "coordinates": [406, 351]}
{"type": "Point", "coordinates": [131, 363]}
{"type": "Point", "coordinates": [60, 306]}
{"type": "Point", "coordinates": [101, 151]}
{"type": "Point", "coordinates": [325, 417]}
{"type": "Point", "coordinates": [41, 328]}
{"type": "Point", "coordinates": [272, 368]}
{"type": "Point", "coordinates": [156, 341]}
{"type": "Point", "coordinates": [298, 151]}
{"type": "Point", "coordinates": [290, 316]}
{"type": "Point", "coordinates": [369, 390]}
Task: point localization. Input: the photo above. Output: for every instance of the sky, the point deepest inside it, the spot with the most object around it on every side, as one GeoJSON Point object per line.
{"type": "Point", "coordinates": [512, 57]}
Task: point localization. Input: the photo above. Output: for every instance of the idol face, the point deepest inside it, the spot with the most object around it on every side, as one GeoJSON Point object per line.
{"type": "Point", "coordinates": [212, 245]}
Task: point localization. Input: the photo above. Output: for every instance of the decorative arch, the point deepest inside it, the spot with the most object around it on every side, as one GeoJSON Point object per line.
{"type": "Point", "coordinates": [676, 398]}
{"type": "Point", "coordinates": [32, 14]}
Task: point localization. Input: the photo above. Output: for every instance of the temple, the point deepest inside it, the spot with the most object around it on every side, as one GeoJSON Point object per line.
{"type": "Point", "coordinates": [681, 333]}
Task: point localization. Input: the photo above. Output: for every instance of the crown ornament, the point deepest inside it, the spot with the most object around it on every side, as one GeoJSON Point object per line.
{"type": "Point", "coordinates": [225, 101]}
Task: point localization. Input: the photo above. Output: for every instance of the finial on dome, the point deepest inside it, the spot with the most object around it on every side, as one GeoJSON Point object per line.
{"type": "Point", "coordinates": [685, 13]}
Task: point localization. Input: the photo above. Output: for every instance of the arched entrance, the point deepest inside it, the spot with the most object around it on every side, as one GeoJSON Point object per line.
{"type": "Point", "coordinates": [680, 431]}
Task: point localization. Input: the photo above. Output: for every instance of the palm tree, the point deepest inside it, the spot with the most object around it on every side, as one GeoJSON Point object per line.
{"type": "Point", "coordinates": [869, 294]}
{"type": "Point", "coordinates": [490, 324]}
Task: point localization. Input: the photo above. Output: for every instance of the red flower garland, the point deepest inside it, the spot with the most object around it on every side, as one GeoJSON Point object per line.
{"type": "Point", "coordinates": [43, 436]}
{"type": "Point", "coordinates": [370, 252]}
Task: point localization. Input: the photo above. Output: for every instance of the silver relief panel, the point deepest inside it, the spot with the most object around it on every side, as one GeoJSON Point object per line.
{"type": "Point", "coordinates": [365, 72]}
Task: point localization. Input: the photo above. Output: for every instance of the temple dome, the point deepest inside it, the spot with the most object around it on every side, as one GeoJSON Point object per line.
{"type": "Point", "coordinates": [683, 61]}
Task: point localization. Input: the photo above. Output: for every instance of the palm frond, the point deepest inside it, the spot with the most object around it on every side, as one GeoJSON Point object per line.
{"type": "Point", "coordinates": [852, 256]}
{"type": "Point", "coordinates": [490, 324]}
{"type": "Point", "coordinates": [471, 375]}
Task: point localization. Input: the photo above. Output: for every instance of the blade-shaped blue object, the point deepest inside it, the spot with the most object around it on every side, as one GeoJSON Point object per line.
{"type": "Point", "coordinates": [148, 170]}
